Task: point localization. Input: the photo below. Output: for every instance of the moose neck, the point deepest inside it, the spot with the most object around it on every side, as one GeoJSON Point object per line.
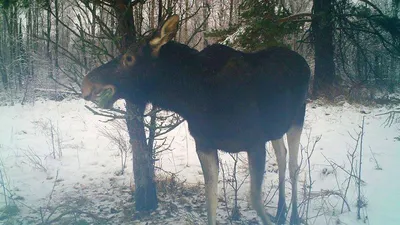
{"type": "Point", "coordinates": [177, 83]}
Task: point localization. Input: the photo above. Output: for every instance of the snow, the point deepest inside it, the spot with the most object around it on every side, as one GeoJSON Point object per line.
{"type": "Point", "coordinates": [86, 176]}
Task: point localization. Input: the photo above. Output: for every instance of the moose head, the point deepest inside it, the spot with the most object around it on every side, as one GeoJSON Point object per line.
{"type": "Point", "coordinates": [119, 77]}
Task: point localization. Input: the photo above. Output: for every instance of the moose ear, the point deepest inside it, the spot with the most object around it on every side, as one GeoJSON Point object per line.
{"type": "Point", "coordinates": [165, 34]}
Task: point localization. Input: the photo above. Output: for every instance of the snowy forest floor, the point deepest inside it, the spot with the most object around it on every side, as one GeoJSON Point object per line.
{"type": "Point", "coordinates": [57, 166]}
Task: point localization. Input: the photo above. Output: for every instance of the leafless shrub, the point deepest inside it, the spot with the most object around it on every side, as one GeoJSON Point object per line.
{"type": "Point", "coordinates": [362, 94]}
{"type": "Point", "coordinates": [224, 188]}
{"type": "Point", "coordinates": [34, 160]}
{"type": "Point", "coordinates": [231, 180]}
{"type": "Point", "coordinates": [377, 165]}
{"type": "Point", "coordinates": [309, 150]}
{"type": "Point", "coordinates": [119, 138]}
{"type": "Point", "coordinates": [360, 202]}
{"type": "Point", "coordinates": [169, 184]}
{"type": "Point", "coordinates": [4, 185]}
{"type": "Point", "coordinates": [70, 212]}
{"type": "Point", "coordinates": [53, 137]}
{"type": "Point", "coordinates": [327, 200]}
{"type": "Point", "coordinates": [158, 123]}
{"type": "Point", "coordinates": [12, 202]}
{"type": "Point", "coordinates": [270, 194]}
{"type": "Point", "coordinates": [353, 171]}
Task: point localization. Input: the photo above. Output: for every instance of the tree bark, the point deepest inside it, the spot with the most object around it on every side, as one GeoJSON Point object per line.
{"type": "Point", "coordinates": [322, 31]}
{"type": "Point", "coordinates": [205, 19]}
{"type": "Point", "coordinates": [125, 24]}
{"type": "Point", "coordinates": [230, 13]}
{"type": "Point", "coordinates": [48, 50]}
{"type": "Point", "coordinates": [143, 168]}
{"type": "Point", "coordinates": [19, 52]}
{"type": "Point", "coordinates": [4, 51]}
{"type": "Point", "coordinates": [151, 16]}
{"type": "Point", "coordinates": [160, 7]}
{"type": "Point", "coordinates": [57, 34]}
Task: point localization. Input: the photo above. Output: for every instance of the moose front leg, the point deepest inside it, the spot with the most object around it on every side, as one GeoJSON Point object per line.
{"type": "Point", "coordinates": [209, 164]}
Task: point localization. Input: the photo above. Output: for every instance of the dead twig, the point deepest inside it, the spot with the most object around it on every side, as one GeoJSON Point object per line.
{"type": "Point", "coordinates": [391, 118]}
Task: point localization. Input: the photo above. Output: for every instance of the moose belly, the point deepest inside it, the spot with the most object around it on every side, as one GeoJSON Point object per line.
{"type": "Point", "coordinates": [228, 138]}
{"type": "Point", "coordinates": [233, 135]}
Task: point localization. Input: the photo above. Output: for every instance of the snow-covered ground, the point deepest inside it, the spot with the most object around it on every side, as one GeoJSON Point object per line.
{"type": "Point", "coordinates": [84, 174]}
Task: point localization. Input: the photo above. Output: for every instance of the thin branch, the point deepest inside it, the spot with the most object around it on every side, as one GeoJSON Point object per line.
{"type": "Point", "coordinates": [112, 116]}
{"type": "Point", "coordinates": [297, 18]}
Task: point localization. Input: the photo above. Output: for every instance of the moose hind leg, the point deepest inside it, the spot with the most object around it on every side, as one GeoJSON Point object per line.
{"type": "Point", "coordinates": [293, 138]}
{"type": "Point", "coordinates": [209, 164]}
{"type": "Point", "coordinates": [280, 152]}
{"type": "Point", "coordinates": [256, 160]}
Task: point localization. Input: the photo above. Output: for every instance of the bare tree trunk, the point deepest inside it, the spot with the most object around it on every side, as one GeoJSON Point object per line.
{"type": "Point", "coordinates": [29, 43]}
{"type": "Point", "coordinates": [185, 27]}
{"type": "Point", "coordinates": [14, 40]}
{"type": "Point", "coordinates": [4, 51]}
{"type": "Point", "coordinates": [35, 35]}
{"type": "Point", "coordinates": [238, 12]}
{"type": "Point", "coordinates": [93, 30]}
{"type": "Point", "coordinates": [143, 168]}
{"type": "Point", "coordinates": [82, 36]}
{"type": "Point", "coordinates": [230, 13]}
{"type": "Point", "coordinates": [395, 77]}
{"type": "Point", "coordinates": [57, 34]}
{"type": "Point", "coordinates": [322, 31]}
{"type": "Point", "coordinates": [221, 13]}
{"type": "Point", "coordinates": [151, 16]}
{"type": "Point", "coordinates": [93, 26]}
{"type": "Point", "coordinates": [205, 19]}
{"type": "Point", "coordinates": [169, 5]}
{"type": "Point", "coordinates": [160, 7]}
{"type": "Point", "coordinates": [377, 70]}
{"type": "Point", "coordinates": [29, 82]}
{"type": "Point", "coordinates": [11, 43]}
{"type": "Point", "coordinates": [139, 18]}
{"type": "Point", "coordinates": [19, 52]}
{"type": "Point", "coordinates": [48, 50]}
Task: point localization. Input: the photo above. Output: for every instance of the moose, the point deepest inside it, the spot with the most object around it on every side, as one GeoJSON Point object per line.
{"type": "Point", "coordinates": [232, 101]}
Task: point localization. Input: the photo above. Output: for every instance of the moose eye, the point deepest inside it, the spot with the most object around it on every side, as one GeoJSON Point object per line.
{"type": "Point", "coordinates": [128, 60]}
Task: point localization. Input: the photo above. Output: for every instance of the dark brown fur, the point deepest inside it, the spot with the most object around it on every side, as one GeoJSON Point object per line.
{"type": "Point", "coordinates": [232, 101]}
{"type": "Point", "coordinates": [225, 95]}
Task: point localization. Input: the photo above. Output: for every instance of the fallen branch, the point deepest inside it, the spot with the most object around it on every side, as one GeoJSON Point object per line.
{"type": "Point", "coordinates": [392, 116]}
{"type": "Point", "coordinates": [54, 91]}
